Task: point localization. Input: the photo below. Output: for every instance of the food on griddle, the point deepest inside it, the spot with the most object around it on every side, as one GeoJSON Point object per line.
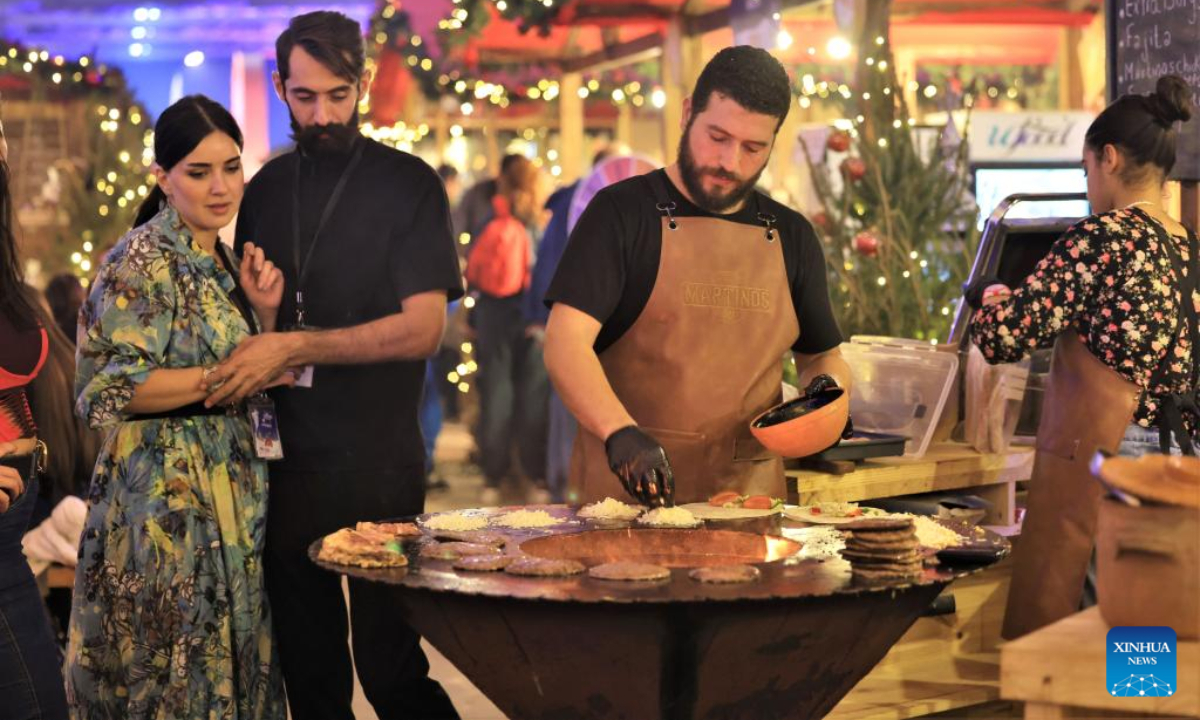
{"type": "Point", "coordinates": [483, 563]}
{"type": "Point", "coordinates": [367, 550]}
{"type": "Point", "coordinates": [526, 519]}
{"type": "Point", "coordinates": [456, 521]}
{"type": "Point", "coordinates": [669, 517]}
{"type": "Point", "coordinates": [731, 500]}
{"type": "Point", "coordinates": [629, 572]}
{"type": "Point", "coordinates": [610, 509]}
{"type": "Point", "coordinates": [472, 536]}
{"type": "Point", "coordinates": [400, 529]}
{"type": "Point", "coordinates": [454, 550]}
{"type": "Point", "coordinates": [543, 567]}
{"type": "Point", "coordinates": [883, 549]}
{"type": "Point", "coordinates": [723, 574]}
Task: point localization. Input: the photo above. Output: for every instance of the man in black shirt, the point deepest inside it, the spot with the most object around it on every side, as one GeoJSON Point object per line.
{"type": "Point", "coordinates": [678, 294]}
{"type": "Point", "coordinates": [362, 234]}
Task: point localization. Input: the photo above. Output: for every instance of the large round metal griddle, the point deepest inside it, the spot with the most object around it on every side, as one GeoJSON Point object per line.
{"type": "Point", "coordinates": [789, 645]}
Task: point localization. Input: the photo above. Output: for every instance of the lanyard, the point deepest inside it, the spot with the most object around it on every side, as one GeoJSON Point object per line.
{"type": "Point", "coordinates": [302, 267]}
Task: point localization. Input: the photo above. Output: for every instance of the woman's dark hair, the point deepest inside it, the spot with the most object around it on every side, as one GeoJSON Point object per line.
{"type": "Point", "coordinates": [65, 294]}
{"type": "Point", "coordinates": [73, 445]}
{"type": "Point", "coordinates": [178, 131]}
{"type": "Point", "coordinates": [13, 302]}
{"type": "Point", "coordinates": [749, 76]}
{"type": "Point", "coordinates": [1143, 126]}
{"type": "Point", "coordinates": [332, 39]}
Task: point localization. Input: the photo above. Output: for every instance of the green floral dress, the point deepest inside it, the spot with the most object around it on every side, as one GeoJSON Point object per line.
{"type": "Point", "coordinates": [170, 616]}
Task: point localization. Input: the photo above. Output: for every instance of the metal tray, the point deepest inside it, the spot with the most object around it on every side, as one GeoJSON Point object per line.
{"type": "Point", "coordinates": [875, 445]}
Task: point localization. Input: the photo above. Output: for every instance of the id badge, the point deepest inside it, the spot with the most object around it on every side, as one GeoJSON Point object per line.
{"type": "Point", "coordinates": [264, 423]}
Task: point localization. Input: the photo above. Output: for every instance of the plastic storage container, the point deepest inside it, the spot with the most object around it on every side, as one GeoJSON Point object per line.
{"type": "Point", "coordinates": [900, 387]}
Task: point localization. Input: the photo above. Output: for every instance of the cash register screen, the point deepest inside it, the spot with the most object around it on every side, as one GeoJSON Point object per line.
{"type": "Point", "coordinates": [993, 184]}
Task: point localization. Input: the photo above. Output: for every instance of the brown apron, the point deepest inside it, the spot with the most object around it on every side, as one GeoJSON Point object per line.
{"type": "Point", "coordinates": [702, 359]}
{"type": "Point", "coordinates": [1087, 406]}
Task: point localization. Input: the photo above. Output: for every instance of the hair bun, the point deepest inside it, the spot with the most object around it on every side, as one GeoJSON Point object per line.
{"type": "Point", "coordinates": [1171, 100]}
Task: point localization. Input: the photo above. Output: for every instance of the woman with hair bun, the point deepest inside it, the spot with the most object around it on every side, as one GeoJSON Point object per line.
{"type": "Point", "coordinates": [1117, 297]}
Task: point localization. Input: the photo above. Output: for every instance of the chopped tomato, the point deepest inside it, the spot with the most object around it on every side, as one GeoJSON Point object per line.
{"type": "Point", "coordinates": [759, 502]}
{"type": "Point", "coordinates": [722, 498]}
{"type": "Point", "coordinates": [854, 513]}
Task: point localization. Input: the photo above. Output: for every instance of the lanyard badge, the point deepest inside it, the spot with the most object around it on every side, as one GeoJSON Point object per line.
{"type": "Point", "coordinates": [264, 424]}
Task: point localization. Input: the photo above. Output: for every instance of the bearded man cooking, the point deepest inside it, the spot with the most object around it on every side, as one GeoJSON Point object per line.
{"type": "Point", "coordinates": [678, 294]}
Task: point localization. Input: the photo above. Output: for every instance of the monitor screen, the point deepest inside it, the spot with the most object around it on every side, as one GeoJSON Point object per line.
{"type": "Point", "coordinates": [993, 184]}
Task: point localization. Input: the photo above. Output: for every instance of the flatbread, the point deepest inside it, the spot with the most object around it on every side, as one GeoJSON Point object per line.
{"type": "Point", "coordinates": [726, 574]}
{"type": "Point", "coordinates": [856, 557]}
{"type": "Point", "coordinates": [629, 571]}
{"type": "Point", "coordinates": [872, 574]}
{"type": "Point", "coordinates": [542, 567]}
{"type": "Point", "coordinates": [397, 529]}
{"type": "Point", "coordinates": [351, 547]}
{"type": "Point", "coordinates": [454, 550]}
{"type": "Point", "coordinates": [483, 563]}
{"type": "Point", "coordinates": [704, 511]}
{"type": "Point", "coordinates": [887, 538]}
{"type": "Point", "coordinates": [473, 536]}
{"type": "Point", "coordinates": [870, 525]}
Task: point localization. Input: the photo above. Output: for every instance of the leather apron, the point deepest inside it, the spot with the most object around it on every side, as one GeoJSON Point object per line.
{"type": "Point", "coordinates": [1087, 407]}
{"type": "Point", "coordinates": [702, 359]}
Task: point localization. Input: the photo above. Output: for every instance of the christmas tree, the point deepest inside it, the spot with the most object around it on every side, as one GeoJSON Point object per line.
{"type": "Point", "coordinates": [897, 218]}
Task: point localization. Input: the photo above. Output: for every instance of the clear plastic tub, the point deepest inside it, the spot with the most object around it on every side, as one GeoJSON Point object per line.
{"type": "Point", "coordinates": [900, 387]}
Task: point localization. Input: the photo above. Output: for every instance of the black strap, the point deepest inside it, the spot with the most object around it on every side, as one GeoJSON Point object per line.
{"type": "Point", "coordinates": [302, 267]}
{"type": "Point", "coordinates": [662, 199]}
{"type": "Point", "coordinates": [192, 410]}
{"type": "Point", "coordinates": [1173, 405]}
{"type": "Point", "coordinates": [238, 295]}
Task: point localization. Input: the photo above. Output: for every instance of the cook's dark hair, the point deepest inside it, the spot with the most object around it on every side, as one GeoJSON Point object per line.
{"type": "Point", "coordinates": [749, 76]}
{"type": "Point", "coordinates": [332, 39]}
{"type": "Point", "coordinates": [178, 131]}
{"type": "Point", "coordinates": [1143, 126]}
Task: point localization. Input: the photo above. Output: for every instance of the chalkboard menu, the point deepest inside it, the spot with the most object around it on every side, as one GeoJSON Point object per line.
{"type": "Point", "coordinates": [1151, 38]}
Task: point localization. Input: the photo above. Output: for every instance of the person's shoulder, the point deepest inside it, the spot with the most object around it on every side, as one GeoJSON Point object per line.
{"type": "Point", "coordinates": [273, 172]}
{"type": "Point", "coordinates": [143, 252]}
{"type": "Point", "coordinates": [402, 167]}
{"type": "Point", "coordinates": [627, 193]}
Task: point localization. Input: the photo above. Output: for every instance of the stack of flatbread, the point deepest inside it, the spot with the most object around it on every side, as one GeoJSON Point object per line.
{"type": "Point", "coordinates": [883, 549]}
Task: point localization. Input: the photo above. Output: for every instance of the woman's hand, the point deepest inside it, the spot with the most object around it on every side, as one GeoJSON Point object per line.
{"type": "Point", "coordinates": [11, 486]}
{"type": "Point", "coordinates": [261, 280]}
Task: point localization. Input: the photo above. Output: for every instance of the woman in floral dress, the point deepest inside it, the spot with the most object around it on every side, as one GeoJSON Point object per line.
{"type": "Point", "coordinates": [170, 619]}
{"type": "Point", "coordinates": [1123, 278]}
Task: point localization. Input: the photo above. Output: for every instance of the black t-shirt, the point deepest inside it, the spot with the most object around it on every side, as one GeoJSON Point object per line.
{"type": "Point", "coordinates": [611, 262]}
{"type": "Point", "coordinates": [387, 239]}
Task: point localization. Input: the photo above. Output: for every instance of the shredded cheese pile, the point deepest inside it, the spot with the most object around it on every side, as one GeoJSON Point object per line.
{"type": "Point", "coordinates": [610, 509]}
{"type": "Point", "coordinates": [933, 535]}
{"type": "Point", "coordinates": [669, 517]}
{"type": "Point", "coordinates": [526, 519]}
{"type": "Point", "coordinates": [456, 521]}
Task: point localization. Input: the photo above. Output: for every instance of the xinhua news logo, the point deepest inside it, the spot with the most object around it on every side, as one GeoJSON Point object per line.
{"type": "Point", "coordinates": [1141, 662]}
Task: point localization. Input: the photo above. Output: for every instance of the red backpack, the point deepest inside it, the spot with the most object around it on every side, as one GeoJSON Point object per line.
{"type": "Point", "coordinates": [498, 263]}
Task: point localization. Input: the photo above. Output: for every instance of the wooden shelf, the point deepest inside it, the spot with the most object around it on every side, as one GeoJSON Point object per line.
{"type": "Point", "coordinates": [946, 466]}
{"type": "Point", "coordinates": [1062, 668]}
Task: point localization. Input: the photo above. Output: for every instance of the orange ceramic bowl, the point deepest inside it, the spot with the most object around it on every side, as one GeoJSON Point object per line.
{"type": "Point", "coordinates": [804, 426]}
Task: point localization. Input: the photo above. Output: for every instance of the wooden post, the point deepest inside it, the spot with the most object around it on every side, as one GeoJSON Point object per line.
{"type": "Point", "coordinates": [570, 127]}
{"type": "Point", "coordinates": [624, 131]}
{"type": "Point", "coordinates": [1070, 69]}
{"type": "Point", "coordinates": [441, 129]}
{"type": "Point", "coordinates": [672, 80]}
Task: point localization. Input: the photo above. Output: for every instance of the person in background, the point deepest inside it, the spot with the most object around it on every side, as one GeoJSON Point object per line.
{"type": "Point", "coordinates": [474, 209]}
{"type": "Point", "coordinates": [65, 294]}
{"type": "Point", "coordinates": [368, 308]}
{"type": "Point", "coordinates": [1117, 297]}
{"type": "Point", "coordinates": [513, 385]}
{"type": "Point", "coordinates": [561, 425]}
{"type": "Point", "coordinates": [170, 615]}
{"type": "Point", "coordinates": [30, 664]}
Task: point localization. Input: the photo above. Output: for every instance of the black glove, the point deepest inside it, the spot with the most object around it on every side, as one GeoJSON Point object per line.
{"type": "Point", "coordinates": [973, 290]}
{"type": "Point", "coordinates": [642, 465]}
{"type": "Point", "coordinates": [822, 383]}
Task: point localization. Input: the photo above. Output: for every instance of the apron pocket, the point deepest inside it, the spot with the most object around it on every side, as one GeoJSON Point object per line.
{"type": "Point", "coordinates": [687, 451]}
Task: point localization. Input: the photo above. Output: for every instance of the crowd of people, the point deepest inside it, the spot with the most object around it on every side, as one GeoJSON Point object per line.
{"type": "Point", "coordinates": [194, 594]}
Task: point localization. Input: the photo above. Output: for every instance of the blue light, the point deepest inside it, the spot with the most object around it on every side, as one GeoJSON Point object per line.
{"type": "Point", "coordinates": [138, 33]}
{"type": "Point", "coordinates": [141, 15]}
{"type": "Point", "coordinates": [194, 59]}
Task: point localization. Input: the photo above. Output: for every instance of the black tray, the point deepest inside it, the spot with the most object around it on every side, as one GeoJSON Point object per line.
{"type": "Point", "coordinates": [875, 445]}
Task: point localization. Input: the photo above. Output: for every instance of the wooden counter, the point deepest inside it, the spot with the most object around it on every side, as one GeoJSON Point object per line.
{"type": "Point", "coordinates": [1059, 671]}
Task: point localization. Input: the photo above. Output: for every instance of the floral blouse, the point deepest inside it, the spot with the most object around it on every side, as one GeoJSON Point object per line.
{"type": "Point", "coordinates": [1109, 279]}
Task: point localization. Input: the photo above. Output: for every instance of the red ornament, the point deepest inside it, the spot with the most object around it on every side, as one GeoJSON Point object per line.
{"type": "Point", "coordinates": [838, 141]}
{"type": "Point", "coordinates": [821, 220]}
{"type": "Point", "coordinates": [854, 168]}
{"type": "Point", "coordinates": [866, 243]}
